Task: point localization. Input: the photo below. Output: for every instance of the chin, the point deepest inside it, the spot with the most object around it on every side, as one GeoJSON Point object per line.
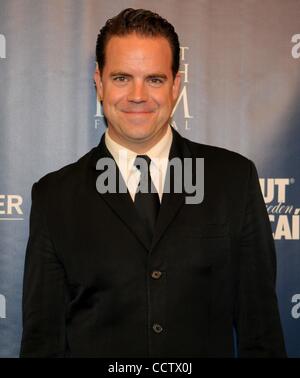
{"type": "Point", "coordinates": [139, 136]}
{"type": "Point", "coordinates": [139, 132]}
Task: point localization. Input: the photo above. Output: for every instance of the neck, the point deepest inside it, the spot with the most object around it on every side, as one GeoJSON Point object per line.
{"type": "Point", "coordinates": [139, 146]}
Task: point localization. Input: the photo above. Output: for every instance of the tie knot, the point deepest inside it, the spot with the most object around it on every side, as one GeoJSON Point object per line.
{"type": "Point", "coordinates": [142, 162]}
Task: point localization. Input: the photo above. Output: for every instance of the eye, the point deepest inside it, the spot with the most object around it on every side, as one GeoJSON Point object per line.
{"type": "Point", "coordinates": [156, 81]}
{"type": "Point", "coordinates": [120, 79]}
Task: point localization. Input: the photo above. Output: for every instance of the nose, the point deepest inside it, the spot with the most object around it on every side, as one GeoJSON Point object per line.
{"type": "Point", "coordinates": [138, 92]}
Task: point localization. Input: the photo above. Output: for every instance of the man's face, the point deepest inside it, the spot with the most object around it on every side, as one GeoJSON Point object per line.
{"type": "Point", "coordinates": [137, 89]}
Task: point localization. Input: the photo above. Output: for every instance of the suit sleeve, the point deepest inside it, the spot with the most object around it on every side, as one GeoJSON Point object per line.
{"type": "Point", "coordinates": [43, 289]}
{"type": "Point", "coordinates": [257, 319]}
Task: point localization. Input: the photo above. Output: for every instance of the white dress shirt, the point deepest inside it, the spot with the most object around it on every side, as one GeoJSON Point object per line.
{"type": "Point", "coordinates": [125, 158]}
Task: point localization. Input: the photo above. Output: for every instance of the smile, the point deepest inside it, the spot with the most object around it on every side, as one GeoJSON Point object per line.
{"type": "Point", "coordinates": [139, 112]}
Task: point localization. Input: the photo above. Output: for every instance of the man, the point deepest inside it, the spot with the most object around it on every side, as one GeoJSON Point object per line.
{"type": "Point", "coordinates": [145, 273]}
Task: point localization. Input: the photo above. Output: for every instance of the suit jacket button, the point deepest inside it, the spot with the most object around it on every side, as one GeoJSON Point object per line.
{"type": "Point", "coordinates": [156, 274]}
{"type": "Point", "coordinates": [157, 328]}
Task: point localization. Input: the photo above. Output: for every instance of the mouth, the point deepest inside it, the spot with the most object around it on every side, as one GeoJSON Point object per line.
{"type": "Point", "coordinates": [137, 112]}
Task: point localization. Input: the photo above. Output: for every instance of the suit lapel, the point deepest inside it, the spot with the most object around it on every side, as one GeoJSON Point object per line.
{"type": "Point", "coordinates": [171, 201]}
{"type": "Point", "coordinates": [122, 204]}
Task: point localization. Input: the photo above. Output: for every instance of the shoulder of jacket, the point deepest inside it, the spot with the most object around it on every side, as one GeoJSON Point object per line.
{"type": "Point", "coordinates": [218, 155]}
{"type": "Point", "coordinates": [70, 173]}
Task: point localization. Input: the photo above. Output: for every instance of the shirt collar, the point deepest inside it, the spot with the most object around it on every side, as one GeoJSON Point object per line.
{"type": "Point", "coordinates": [158, 153]}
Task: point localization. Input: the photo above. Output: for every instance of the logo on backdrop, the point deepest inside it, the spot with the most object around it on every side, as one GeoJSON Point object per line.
{"type": "Point", "coordinates": [296, 48]}
{"type": "Point", "coordinates": [296, 308]}
{"type": "Point", "coordinates": [283, 215]}
{"type": "Point", "coordinates": [182, 104]}
{"type": "Point", "coordinates": [2, 47]}
{"type": "Point", "coordinates": [181, 107]}
{"type": "Point", "coordinates": [2, 307]}
{"type": "Point", "coordinates": [10, 207]}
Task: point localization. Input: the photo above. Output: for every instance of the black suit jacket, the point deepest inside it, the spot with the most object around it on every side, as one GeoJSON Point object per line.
{"type": "Point", "coordinates": [89, 287]}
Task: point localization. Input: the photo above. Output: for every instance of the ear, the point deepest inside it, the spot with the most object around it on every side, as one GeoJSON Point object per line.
{"type": "Point", "coordinates": [98, 82]}
{"type": "Point", "coordinates": [176, 86]}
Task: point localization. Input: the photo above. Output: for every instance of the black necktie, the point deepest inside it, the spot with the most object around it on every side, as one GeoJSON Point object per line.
{"type": "Point", "coordinates": [146, 199]}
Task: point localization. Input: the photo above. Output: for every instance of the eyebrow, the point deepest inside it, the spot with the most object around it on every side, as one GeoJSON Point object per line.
{"type": "Point", "coordinates": [153, 75]}
{"type": "Point", "coordinates": [160, 75]}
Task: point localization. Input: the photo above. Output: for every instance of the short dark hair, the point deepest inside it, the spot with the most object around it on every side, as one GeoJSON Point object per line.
{"type": "Point", "coordinates": [144, 23]}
